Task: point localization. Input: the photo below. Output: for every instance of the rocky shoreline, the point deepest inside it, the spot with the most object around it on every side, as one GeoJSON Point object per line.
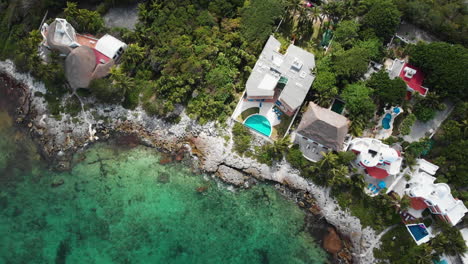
{"type": "Point", "coordinates": [60, 138]}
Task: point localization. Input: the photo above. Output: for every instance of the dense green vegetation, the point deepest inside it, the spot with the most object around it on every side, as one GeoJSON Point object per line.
{"type": "Point", "coordinates": [446, 19]}
{"type": "Point", "coordinates": [387, 91]}
{"type": "Point", "coordinates": [241, 137]}
{"type": "Point", "coordinates": [405, 127]}
{"type": "Point", "coordinates": [194, 53]}
{"type": "Point", "coordinates": [445, 66]}
{"type": "Point", "coordinates": [381, 20]}
{"type": "Point", "coordinates": [83, 20]}
{"type": "Point", "coordinates": [448, 152]}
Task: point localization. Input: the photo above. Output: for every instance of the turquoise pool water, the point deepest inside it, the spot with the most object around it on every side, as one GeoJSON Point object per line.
{"type": "Point", "coordinates": [418, 231]}
{"type": "Point", "coordinates": [259, 123]}
{"type": "Point", "coordinates": [386, 121]}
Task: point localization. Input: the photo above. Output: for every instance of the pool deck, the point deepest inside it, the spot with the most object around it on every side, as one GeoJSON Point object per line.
{"type": "Point", "coordinates": [265, 109]}
{"type": "Point", "coordinates": [382, 133]}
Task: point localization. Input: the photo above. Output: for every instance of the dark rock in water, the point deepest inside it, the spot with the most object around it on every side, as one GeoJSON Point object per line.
{"type": "Point", "coordinates": [17, 212]}
{"type": "Point", "coordinates": [180, 154]}
{"type": "Point", "coordinates": [332, 241]}
{"type": "Point", "coordinates": [202, 189]}
{"type": "Point", "coordinates": [165, 159]}
{"type": "Point", "coordinates": [263, 256]}
{"type": "Point", "coordinates": [38, 223]}
{"type": "Point", "coordinates": [163, 178]}
{"type": "Point", "coordinates": [62, 252]}
{"type": "Point", "coordinates": [129, 140]}
{"type": "Point", "coordinates": [57, 183]}
{"type": "Point", "coordinates": [3, 202]}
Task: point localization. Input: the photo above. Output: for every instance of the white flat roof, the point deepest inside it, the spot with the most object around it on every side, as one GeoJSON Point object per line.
{"type": "Point", "coordinates": [427, 166]}
{"type": "Point", "coordinates": [268, 82]}
{"type": "Point", "coordinates": [422, 185]}
{"type": "Point", "coordinates": [108, 45]}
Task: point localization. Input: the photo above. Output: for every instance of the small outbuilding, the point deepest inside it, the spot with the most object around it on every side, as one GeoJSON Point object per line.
{"type": "Point", "coordinates": [110, 46]}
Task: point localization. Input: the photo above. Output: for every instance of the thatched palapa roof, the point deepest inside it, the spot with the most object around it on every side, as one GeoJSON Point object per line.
{"type": "Point", "coordinates": [323, 126]}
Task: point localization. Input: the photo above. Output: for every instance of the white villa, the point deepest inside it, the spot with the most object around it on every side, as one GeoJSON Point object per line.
{"type": "Point", "coordinates": [376, 158]}
{"type": "Point", "coordinates": [277, 85]}
{"type": "Point", "coordinates": [424, 193]}
{"type": "Point", "coordinates": [380, 163]}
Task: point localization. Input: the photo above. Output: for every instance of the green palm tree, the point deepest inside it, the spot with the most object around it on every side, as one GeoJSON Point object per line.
{"type": "Point", "coordinates": [338, 175]}
{"type": "Point", "coordinates": [424, 254]}
{"type": "Point", "coordinates": [279, 147]}
{"type": "Point", "coordinates": [358, 181]}
{"type": "Point", "coordinates": [120, 80]}
{"type": "Point", "coordinates": [134, 54]}
{"type": "Point", "coordinates": [329, 160]}
{"type": "Point", "coordinates": [316, 15]}
{"type": "Point", "coordinates": [305, 24]}
{"type": "Point", "coordinates": [356, 127]}
{"type": "Point", "coordinates": [432, 100]}
{"type": "Point", "coordinates": [294, 6]}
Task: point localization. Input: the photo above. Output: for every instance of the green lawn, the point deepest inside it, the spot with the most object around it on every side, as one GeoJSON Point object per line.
{"type": "Point", "coordinates": [247, 113]}
{"type": "Point", "coordinates": [280, 130]}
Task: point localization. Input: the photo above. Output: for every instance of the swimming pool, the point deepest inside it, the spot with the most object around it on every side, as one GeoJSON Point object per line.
{"type": "Point", "coordinates": [386, 121]}
{"type": "Point", "coordinates": [419, 231]}
{"type": "Point", "coordinates": [338, 106]}
{"type": "Point", "coordinates": [259, 123]}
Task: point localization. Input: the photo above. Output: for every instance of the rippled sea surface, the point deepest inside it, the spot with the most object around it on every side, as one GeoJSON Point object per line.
{"type": "Point", "coordinates": [119, 205]}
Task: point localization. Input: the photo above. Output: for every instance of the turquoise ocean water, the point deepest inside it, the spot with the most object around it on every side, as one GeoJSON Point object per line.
{"type": "Point", "coordinates": [119, 205]}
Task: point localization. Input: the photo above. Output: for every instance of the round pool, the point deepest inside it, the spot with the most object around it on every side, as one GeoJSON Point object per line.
{"type": "Point", "coordinates": [259, 123]}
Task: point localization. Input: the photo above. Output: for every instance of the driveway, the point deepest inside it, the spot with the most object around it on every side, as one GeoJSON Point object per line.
{"type": "Point", "coordinates": [423, 129]}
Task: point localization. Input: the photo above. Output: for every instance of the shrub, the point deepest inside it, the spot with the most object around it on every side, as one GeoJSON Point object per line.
{"type": "Point", "coordinates": [405, 127]}
{"type": "Point", "coordinates": [295, 158]}
{"type": "Point", "coordinates": [423, 113]}
{"type": "Point", "coordinates": [241, 138]}
{"type": "Point", "coordinates": [105, 91]}
{"type": "Point", "coordinates": [72, 106]}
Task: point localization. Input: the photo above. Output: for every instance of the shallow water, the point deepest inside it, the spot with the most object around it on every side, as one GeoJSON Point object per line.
{"type": "Point", "coordinates": [119, 205]}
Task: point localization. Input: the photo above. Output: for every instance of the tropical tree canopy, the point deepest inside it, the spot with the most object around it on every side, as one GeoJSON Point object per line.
{"type": "Point", "coordinates": [445, 67]}
{"type": "Point", "coordinates": [382, 19]}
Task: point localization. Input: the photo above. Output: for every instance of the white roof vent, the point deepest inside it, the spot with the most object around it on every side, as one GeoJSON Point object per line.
{"type": "Point", "coordinates": [297, 64]}
{"type": "Point", "coordinates": [302, 74]}
{"type": "Point", "coordinates": [409, 72]}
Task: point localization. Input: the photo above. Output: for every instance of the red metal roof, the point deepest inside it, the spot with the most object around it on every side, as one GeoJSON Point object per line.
{"type": "Point", "coordinates": [377, 173]}
{"type": "Point", "coordinates": [100, 56]}
{"type": "Point", "coordinates": [416, 81]}
{"type": "Point", "coordinates": [418, 204]}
